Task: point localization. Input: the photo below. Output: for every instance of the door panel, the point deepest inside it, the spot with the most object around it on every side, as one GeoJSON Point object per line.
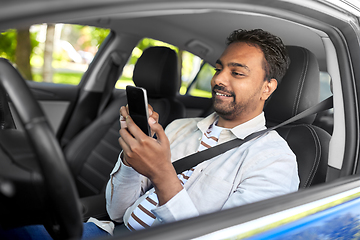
{"type": "Point", "coordinates": [56, 100]}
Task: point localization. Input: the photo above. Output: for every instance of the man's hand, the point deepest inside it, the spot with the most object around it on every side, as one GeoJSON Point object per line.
{"type": "Point", "coordinates": [152, 114]}
{"type": "Point", "coordinates": [148, 156]}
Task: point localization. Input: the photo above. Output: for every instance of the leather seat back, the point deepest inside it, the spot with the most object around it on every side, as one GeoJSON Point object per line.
{"type": "Point", "coordinates": [299, 90]}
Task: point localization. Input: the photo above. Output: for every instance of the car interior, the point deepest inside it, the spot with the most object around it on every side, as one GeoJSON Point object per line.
{"type": "Point", "coordinates": [307, 76]}
{"type": "Point", "coordinates": [87, 115]}
{"type": "Point", "coordinates": [94, 151]}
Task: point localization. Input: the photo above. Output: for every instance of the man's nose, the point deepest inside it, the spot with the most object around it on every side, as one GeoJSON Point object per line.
{"type": "Point", "coordinates": [221, 78]}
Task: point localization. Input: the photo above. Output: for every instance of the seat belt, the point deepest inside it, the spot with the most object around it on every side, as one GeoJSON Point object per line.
{"type": "Point", "coordinates": [194, 159]}
{"type": "Point", "coordinates": [111, 78]}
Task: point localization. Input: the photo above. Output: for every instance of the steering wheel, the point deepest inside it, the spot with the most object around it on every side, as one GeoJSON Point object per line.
{"type": "Point", "coordinates": [61, 195]}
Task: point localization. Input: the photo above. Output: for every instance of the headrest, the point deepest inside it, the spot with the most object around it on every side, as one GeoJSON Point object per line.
{"type": "Point", "coordinates": [157, 71]}
{"type": "Point", "coordinates": [299, 88]}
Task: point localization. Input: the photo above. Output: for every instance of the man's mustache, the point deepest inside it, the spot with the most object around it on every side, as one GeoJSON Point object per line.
{"type": "Point", "coordinates": [223, 89]}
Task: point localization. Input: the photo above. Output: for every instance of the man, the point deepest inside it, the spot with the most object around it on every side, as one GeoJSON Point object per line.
{"type": "Point", "coordinates": [144, 188]}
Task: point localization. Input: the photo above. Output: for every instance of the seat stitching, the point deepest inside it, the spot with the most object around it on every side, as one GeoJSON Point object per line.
{"type": "Point", "coordinates": [101, 158]}
{"type": "Point", "coordinates": [109, 145]}
{"type": "Point", "coordinates": [301, 84]}
{"type": "Point", "coordinates": [317, 154]}
{"type": "Point", "coordinates": [87, 184]}
{"type": "Point", "coordinates": [162, 62]}
{"type": "Point", "coordinates": [93, 171]}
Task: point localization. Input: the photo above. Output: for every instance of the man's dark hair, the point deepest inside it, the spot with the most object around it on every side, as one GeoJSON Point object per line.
{"type": "Point", "coordinates": [276, 56]}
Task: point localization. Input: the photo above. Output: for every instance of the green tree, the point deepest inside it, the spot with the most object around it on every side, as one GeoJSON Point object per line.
{"type": "Point", "coordinates": [145, 43]}
{"type": "Point", "coordinates": [8, 44]}
{"type": "Point", "coordinates": [98, 35]}
{"type": "Point", "coordinates": [23, 52]}
{"type": "Point", "coordinates": [48, 53]}
{"type": "Point", "coordinates": [18, 53]}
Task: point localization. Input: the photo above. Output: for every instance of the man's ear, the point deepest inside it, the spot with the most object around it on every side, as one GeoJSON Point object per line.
{"type": "Point", "coordinates": [269, 88]}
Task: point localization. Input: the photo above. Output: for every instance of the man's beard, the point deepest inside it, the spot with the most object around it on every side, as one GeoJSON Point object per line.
{"type": "Point", "coordinates": [230, 110]}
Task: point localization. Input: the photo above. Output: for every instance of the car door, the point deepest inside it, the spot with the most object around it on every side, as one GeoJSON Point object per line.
{"type": "Point", "coordinates": [56, 100]}
{"type": "Point", "coordinates": [304, 214]}
{"type": "Point", "coordinates": [56, 81]}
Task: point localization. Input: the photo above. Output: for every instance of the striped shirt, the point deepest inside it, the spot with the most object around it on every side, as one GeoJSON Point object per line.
{"type": "Point", "coordinates": [142, 217]}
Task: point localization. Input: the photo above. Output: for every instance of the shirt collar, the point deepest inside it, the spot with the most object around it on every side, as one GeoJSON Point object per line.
{"type": "Point", "coordinates": [240, 131]}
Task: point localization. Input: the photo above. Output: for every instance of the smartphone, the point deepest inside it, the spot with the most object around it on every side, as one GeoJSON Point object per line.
{"type": "Point", "coordinates": [138, 107]}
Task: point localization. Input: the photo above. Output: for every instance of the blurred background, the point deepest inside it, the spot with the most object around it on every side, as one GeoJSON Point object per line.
{"type": "Point", "coordinates": [61, 53]}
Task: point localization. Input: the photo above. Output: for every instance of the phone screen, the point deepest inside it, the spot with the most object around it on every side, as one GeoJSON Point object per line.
{"type": "Point", "coordinates": [138, 107]}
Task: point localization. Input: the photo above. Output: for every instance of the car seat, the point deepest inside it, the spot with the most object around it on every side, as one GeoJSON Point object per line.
{"type": "Point", "coordinates": [93, 153]}
{"type": "Point", "coordinates": [299, 90]}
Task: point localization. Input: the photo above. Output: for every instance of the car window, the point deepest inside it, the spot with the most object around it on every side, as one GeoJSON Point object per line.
{"type": "Point", "coordinates": [200, 86]}
{"type": "Point", "coordinates": [195, 75]}
{"type": "Point", "coordinates": [58, 53]}
{"type": "Point", "coordinates": [325, 86]}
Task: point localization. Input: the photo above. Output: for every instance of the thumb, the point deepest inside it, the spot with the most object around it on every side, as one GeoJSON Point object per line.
{"type": "Point", "coordinates": [158, 129]}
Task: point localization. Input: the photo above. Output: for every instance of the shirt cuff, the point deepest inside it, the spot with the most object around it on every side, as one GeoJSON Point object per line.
{"type": "Point", "coordinates": [177, 208]}
{"type": "Point", "coordinates": [121, 171]}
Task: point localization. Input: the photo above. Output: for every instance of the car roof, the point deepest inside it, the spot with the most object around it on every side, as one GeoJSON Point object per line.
{"type": "Point", "coordinates": [197, 26]}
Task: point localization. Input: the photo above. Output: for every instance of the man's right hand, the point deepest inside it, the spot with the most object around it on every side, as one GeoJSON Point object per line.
{"type": "Point", "coordinates": [150, 157]}
{"type": "Point", "coordinates": [152, 114]}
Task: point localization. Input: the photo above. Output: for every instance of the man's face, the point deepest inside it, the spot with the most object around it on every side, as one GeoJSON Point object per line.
{"type": "Point", "coordinates": [238, 84]}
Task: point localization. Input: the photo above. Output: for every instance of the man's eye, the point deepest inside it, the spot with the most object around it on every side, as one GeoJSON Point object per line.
{"type": "Point", "coordinates": [217, 69]}
{"type": "Point", "coordinates": [238, 74]}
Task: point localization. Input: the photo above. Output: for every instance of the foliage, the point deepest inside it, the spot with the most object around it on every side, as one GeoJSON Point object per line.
{"type": "Point", "coordinates": [88, 38]}
{"type": "Point", "coordinates": [145, 43]}
{"type": "Point", "coordinates": [82, 37]}
{"type": "Point", "coordinates": [8, 43]}
{"type": "Point", "coordinates": [62, 77]}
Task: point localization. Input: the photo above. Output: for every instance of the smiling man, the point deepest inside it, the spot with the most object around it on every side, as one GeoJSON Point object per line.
{"type": "Point", "coordinates": [239, 85]}
{"type": "Point", "coordinates": [144, 188]}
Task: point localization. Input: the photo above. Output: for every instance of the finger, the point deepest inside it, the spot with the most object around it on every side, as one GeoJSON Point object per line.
{"type": "Point", "coordinates": [122, 118]}
{"type": "Point", "coordinates": [125, 152]}
{"type": "Point", "coordinates": [122, 122]}
{"type": "Point", "coordinates": [158, 129]}
{"type": "Point", "coordinates": [155, 116]}
{"type": "Point", "coordinates": [124, 111]}
{"type": "Point", "coordinates": [133, 129]}
{"type": "Point", "coordinates": [128, 143]}
{"type": "Point", "coordinates": [123, 145]}
{"type": "Point", "coordinates": [150, 110]}
{"type": "Point", "coordinates": [127, 137]}
{"type": "Point", "coordinates": [152, 113]}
